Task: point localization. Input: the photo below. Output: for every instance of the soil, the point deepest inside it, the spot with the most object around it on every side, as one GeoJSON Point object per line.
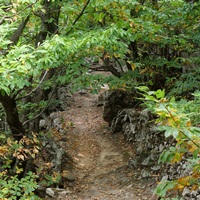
{"type": "Point", "coordinates": [100, 158]}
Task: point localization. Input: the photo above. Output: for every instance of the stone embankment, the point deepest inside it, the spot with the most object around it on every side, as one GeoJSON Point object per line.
{"type": "Point", "coordinates": [122, 112]}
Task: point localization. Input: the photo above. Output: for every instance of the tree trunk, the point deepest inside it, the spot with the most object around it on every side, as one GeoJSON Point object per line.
{"type": "Point", "coordinates": [133, 54]}
{"type": "Point", "coordinates": [12, 116]}
{"type": "Point", "coordinates": [52, 11]}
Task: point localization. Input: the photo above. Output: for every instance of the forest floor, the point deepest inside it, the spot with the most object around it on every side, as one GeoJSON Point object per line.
{"type": "Point", "coordinates": [100, 158]}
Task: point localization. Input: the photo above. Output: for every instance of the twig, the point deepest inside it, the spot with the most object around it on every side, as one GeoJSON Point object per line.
{"type": "Point", "coordinates": [119, 64]}
{"type": "Point", "coordinates": [79, 16]}
{"type": "Point", "coordinates": [35, 88]}
{"type": "Point", "coordinates": [43, 109]}
{"type": "Point", "coordinates": [181, 130]}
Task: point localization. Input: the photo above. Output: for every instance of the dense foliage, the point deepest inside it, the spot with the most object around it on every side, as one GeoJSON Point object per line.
{"type": "Point", "coordinates": [45, 44]}
{"type": "Point", "coordinates": [179, 121]}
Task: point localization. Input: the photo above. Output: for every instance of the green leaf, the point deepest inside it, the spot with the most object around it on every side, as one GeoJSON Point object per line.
{"type": "Point", "coordinates": [170, 131]}
{"type": "Point", "coordinates": [163, 187]}
{"type": "Point", "coordinates": [160, 94]}
{"type": "Point", "coordinates": [196, 153]}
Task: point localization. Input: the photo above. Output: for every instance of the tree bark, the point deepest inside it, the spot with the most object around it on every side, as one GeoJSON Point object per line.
{"type": "Point", "coordinates": [52, 13]}
{"type": "Point", "coordinates": [49, 26]}
{"type": "Point", "coordinates": [16, 35]}
{"type": "Point", "coordinates": [133, 54]}
{"type": "Point", "coordinates": [12, 116]}
{"type": "Point", "coordinates": [9, 102]}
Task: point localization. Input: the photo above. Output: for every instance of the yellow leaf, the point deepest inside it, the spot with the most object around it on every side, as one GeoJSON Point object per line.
{"type": "Point", "coordinates": [144, 70]}
{"type": "Point", "coordinates": [196, 175]}
{"type": "Point", "coordinates": [170, 122]}
{"type": "Point", "coordinates": [18, 170]}
{"type": "Point", "coordinates": [191, 147]}
{"type": "Point", "coordinates": [179, 187]}
{"type": "Point", "coordinates": [133, 65]}
{"type": "Point", "coordinates": [3, 150]}
{"type": "Point", "coordinates": [185, 181]}
{"type": "Point", "coordinates": [188, 123]}
{"type": "Point", "coordinates": [163, 100]}
{"type": "Point", "coordinates": [177, 157]}
{"type": "Point", "coordinates": [123, 7]}
{"type": "Point", "coordinates": [20, 157]}
{"type": "Point", "coordinates": [9, 142]}
{"type": "Point", "coordinates": [137, 9]}
{"type": "Point", "coordinates": [194, 187]}
{"type": "Point", "coordinates": [35, 140]}
{"type": "Point", "coordinates": [124, 85]}
{"type": "Point", "coordinates": [35, 151]}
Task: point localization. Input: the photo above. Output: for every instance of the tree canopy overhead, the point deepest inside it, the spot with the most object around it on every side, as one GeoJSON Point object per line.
{"type": "Point", "coordinates": [152, 37]}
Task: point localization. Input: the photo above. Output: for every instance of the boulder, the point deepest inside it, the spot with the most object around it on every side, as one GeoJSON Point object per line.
{"type": "Point", "coordinates": [115, 100]}
{"type": "Point", "coordinates": [68, 176]}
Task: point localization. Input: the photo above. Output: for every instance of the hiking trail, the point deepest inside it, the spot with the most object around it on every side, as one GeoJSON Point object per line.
{"type": "Point", "coordinates": [100, 158]}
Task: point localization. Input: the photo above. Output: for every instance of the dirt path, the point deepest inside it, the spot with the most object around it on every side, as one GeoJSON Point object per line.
{"type": "Point", "coordinates": [101, 158]}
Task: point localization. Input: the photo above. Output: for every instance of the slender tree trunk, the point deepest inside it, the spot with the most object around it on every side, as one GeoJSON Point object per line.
{"type": "Point", "coordinates": [133, 53]}
{"type": "Point", "coordinates": [52, 11]}
{"type": "Point", "coordinates": [9, 102]}
{"type": "Point", "coordinates": [12, 116]}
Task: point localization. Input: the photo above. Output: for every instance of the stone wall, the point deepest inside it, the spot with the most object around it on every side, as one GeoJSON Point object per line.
{"type": "Point", "coordinates": [138, 127]}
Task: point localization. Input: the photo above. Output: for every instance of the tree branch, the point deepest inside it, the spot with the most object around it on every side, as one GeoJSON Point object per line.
{"type": "Point", "coordinates": [2, 20]}
{"type": "Point", "coordinates": [16, 35]}
{"type": "Point", "coordinates": [31, 92]}
{"type": "Point", "coordinates": [79, 16]}
{"type": "Point", "coordinates": [109, 68]}
{"type": "Point", "coordinates": [43, 108]}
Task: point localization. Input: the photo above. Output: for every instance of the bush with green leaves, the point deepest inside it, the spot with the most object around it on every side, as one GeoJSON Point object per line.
{"type": "Point", "coordinates": [14, 188]}
{"type": "Point", "coordinates": [15, 183]}
{"type": "Point", "coordinates": [177, 120]}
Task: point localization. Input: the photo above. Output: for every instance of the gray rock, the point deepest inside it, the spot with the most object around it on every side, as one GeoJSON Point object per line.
{"type": "Point", "coordinates": [42, 124]}
{"type": "Point", "coordinates": [145, 174]}
{"type": "Point", "coordinates": [156, 168]}
{"type": "Point", "coordinates": [101, 99]}
{"type": "Point", "coordinates": [65, 97]}
{"type": "Point", "coordinates": [41, 191]}
{"type": "Point", "coordinates": [116, 100]}
{"type": "Point", "coordinates": [198, 197]}
{"type": "Point", "coordinates": [54, 115]}
{"type": "Point", "coordinates": [132, 163]}
{"type": "Point", "coordinates": [194, 193]}
{"type": "Point", "coordinates": [68, 176]}
{"type": "Point", "coordinates": [161, 147]}
{"type": "Point", "coordinates": [62, 192]}
{"type": "Point", "coordinates": [186, 191]}
{"type": "Point", "coordinates": [146, 161]}
{"type": "Point", "coordinates": [50, 192]}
